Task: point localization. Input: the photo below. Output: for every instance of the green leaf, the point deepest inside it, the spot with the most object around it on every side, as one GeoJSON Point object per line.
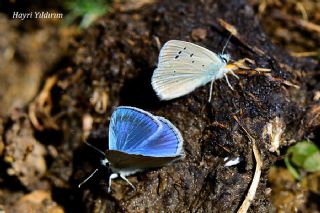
{"type": "Point", "coordinates": [312, 163]}
{"type": "Point", "coordinates": [291, 169]}
{"type": "Point", "coordinates": [301, 151]}
{"type": "Point", "coordinates": [303, 155]}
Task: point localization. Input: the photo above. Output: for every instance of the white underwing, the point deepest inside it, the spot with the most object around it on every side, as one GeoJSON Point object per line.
{"type": "Point", "coordinates": [184, 66]}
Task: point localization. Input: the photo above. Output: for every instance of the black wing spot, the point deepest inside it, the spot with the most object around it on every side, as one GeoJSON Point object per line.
{"type": "Point", "coordinates": [185, 48]}
{"type": "Point", "coordinates": [191, 55]}
{"type": "Point", "coordinates": [177, 56]}
{"type": "Point", "coordinates": [179, 52]}
{"type": "Point", "coordinates": [192, 61]}
{"type": "Point", "coordinates": [202, 65]}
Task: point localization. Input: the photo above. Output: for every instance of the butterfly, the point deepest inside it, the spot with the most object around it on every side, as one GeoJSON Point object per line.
{"type": "Point", "coordinates": [139, 140]}
{"type": "Point", "coordinates": [184, 66]}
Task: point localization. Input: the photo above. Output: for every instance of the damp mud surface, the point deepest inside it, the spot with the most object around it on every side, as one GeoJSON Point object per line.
{"type": "Point", "coordinates": [43, 157]}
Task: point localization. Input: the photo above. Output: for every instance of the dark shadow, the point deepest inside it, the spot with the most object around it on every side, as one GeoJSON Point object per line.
{"type": "Point", "coordinates": [138, 92]}
{"type": "Point", "coordinates": [313, 201]}
{"type": "Point", "coordinates": [49, 136]}
{"type": "Point", "coordinates": [70, 199]}
{"type": "Point", "coordinates": [316, 139]}
{"type": "Point", "coordinates": [85, 161]}
{"type": "Point", "coordinates": [10, 182]}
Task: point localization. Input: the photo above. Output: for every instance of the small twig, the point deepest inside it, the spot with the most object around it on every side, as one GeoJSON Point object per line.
{"type": "Point", "coordinates": [157, 41]}
{"type": "Point", "coordinates": [255, 181]}
{"type": "Point", "coordinates": [43, 104]}
{"type": "Point", "coordinates": [297, 21]}
{"type": "Point", "coordinates": [255, 99]}
{"type": "Point", "coordinates": [303, 11]}
{"type": "Point", "coordinates": [100, 97]}
{"type": "Point", "coordinates": [244, 66]}
{"type": "Point", "coordinates": [231, 29]}
{"type": "Point", "coordinates": [305, 54]}
{"type": "Point", "coordinates": [257, 173]}
{"type": "Point", "coordinates": [252, 72]}
{"type": "Point", "coordinates": [285, 82]}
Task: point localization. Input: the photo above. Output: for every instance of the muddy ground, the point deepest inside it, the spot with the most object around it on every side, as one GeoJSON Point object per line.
{"type": "Point", "coordinates": [59, 88]}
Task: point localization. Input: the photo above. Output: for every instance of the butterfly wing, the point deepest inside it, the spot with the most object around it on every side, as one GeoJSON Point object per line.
{"type": "Point", "coordinates": [131, 162]}
{"type": "Point", "coordinates": [176, 79]}
{"type": "Point", "coordinates": [182, 67]}
{"type": "Point", "coordinates": [176, 49]}
{"type": "Point", "coordinates": [139, 140]}
{"type": "Point", "coordinates": [129, 127]}
{"type": "Point", "coordinates": [168, 143]}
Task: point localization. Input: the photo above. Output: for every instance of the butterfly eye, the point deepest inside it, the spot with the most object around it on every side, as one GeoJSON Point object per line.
{"type": "Point", "coordinates": [223, 59]}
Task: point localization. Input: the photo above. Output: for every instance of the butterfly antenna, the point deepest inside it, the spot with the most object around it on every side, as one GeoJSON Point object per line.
{"type": "Point", "coordinates": [90, 176]}
{"type": "Point", "coordinates": [226, 43]}
{"type": "Point", "coordinates": [95, 148]}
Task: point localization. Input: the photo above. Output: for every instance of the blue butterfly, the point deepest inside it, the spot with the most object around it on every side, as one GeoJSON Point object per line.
{"type": "Point", "coordinates": [139, 140]}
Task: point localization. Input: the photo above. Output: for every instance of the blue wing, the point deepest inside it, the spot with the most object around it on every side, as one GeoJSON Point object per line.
{"type": "Point", "coordinates": [130, 127]}
{"type": "Point", "coordinates": [167, 144]}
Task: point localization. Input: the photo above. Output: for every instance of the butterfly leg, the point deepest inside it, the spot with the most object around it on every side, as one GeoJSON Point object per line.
{"type": "Point", "coordinates": [210, 93]}
{"type": "Point", "coordinates": [112, 176]}
{"type": "Point", "coordinates": [234, 74]}
{"type": "Point", "coordinates": [124, 178]}
{"type": "Point", "coordinates": [226, 77]}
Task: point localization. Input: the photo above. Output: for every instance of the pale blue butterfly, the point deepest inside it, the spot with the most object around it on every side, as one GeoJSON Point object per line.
{"type": "Point", "coordinates": [139, 140]}
{"type": "Point", "coordinates": [184, 66]}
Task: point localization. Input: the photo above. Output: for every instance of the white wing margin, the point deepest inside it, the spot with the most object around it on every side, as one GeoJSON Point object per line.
{"type": "Point", "coordinates": [174, 50]}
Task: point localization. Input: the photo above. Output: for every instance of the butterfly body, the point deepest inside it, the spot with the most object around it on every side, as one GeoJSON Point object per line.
{"type": "Point", "coordinates": [217, 69]}
{"type": "Point", "coordinates": [184, 66]}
